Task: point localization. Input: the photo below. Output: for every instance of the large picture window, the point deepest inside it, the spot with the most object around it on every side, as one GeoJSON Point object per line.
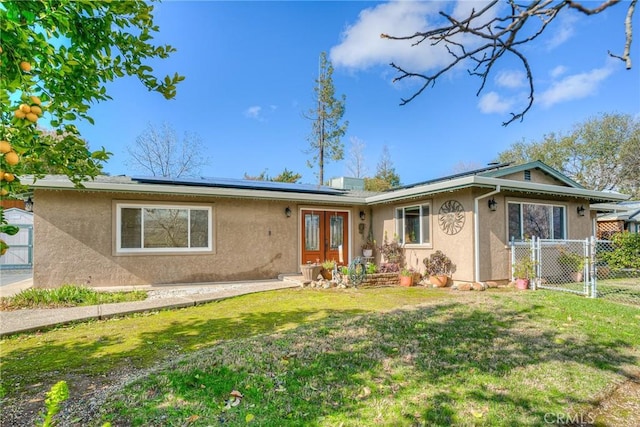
{"type": "Point", "coordinates": [412, 225]}
{"type": "Point", "coordinates": [530, 219]}
{"type": "Point", "coordinates": [163, 228]}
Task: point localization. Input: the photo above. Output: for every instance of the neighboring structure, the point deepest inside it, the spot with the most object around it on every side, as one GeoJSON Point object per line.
{"type": "Point", "coordinates": [20, 252]}
{"type": "Point", "coordinates": [612, 219]}
{"type": "Point", "coordinates": [121, 230]}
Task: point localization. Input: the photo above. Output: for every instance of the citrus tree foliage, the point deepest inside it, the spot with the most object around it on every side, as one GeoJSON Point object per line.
{"type": "Point", "coordinates": [601, 153]}
{"type": "Point", "coordinates": [159, 152]}
{"type": "Point", "coordinates": [496, 31]}
{"type": "Point", "coordinates": [326, 116]}
{"type": "Point", "coordinates": [56, 58]}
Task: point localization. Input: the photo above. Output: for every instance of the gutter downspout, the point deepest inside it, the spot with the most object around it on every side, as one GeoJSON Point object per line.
{"type": "Point", "coordinates": [476, 233]}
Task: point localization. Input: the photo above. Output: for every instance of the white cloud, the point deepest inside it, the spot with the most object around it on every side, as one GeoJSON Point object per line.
{"type": "Point", "coordinates": [558, 71]}
{"type": "Point", "coordinates": [491, 102]}
{"type": "Point", "coordinates": [253, 112]}
{"type": "Point", "coordinates": [257, 112]}
{"type": "Point", "coordinates": [565, 31]}
{"type": "Point", "coordinates": [361, 46]}
{"type": "Point", "coordinates": [511, 79]}
{"type": "Point", "coordinates": [576, 86]}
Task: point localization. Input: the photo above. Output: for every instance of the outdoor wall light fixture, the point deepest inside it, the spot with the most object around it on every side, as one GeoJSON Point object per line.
{"type": "Point", "coordinates": [362, 215]}
{"type": "Point", "coordinates": [287, 212]}
{"type": "Point", "coordinates": [580, 210]}
{"type": "Point", "coordinates": [493, 205]}
{"type": "Point", "coordinates": [28, 205]}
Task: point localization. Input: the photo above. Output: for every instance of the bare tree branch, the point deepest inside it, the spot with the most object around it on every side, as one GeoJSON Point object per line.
{"type": "Point", "coordinates": [496, 36]}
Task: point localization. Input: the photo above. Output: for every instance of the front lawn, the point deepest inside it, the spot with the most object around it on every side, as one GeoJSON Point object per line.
{"type": "Point", "coordinates": [306, 357]}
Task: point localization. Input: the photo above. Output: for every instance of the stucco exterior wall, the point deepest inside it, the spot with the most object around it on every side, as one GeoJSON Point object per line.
{"type": "Point", "coordinates": [493, 231]}
{"type": "Point", "coordinates": [458, 247]}
{"type": "Point", "coordinates": [74, 234]}
{"type": "Point", "coordinates": [493, 247]}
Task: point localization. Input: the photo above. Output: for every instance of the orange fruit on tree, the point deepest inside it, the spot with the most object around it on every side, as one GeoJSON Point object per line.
{"type": "Point", "coordinates": [32, 117]}
{"type": "Point", "coordinates": [9, 177]}
{"type": "Point", "coordinates": [4, 192]}
{"type": "Point", "coordinates": [25, 108]}
{"type": "Point", "coordinates": [36, 100]}
{"type": "Point", "coordinates": [11, 158]}
{"type": "Point", "coordinates": [5, 147]}
{"type": "Point", "coordinates": [19, 114]}
{"type": "Point", "coordinates": [25, 66]}
{"type": "Point", "coordinates": [36, 110]}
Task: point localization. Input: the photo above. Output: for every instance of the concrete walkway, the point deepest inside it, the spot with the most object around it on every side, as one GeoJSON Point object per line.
{"type": "Point", "coordinates": [160, 297]}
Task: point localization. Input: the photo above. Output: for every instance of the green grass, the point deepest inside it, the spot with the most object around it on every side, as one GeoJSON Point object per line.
{"type": "Point", "coordinates": [99, 347]}
{"type": "Point", "coordinates": [304, 357]}
{"type": "Point", "coordinates": [66, 296]}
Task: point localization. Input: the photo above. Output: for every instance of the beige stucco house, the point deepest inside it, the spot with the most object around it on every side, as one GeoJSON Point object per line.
{"type": "Point", "coordinates": [125, 231]}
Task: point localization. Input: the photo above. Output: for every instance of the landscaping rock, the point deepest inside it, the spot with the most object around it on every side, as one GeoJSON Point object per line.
{"type": "Point", "coordinates": [491, 285]}
{"type": "Point", "coordinates": [464, 286]}
{"type": "Point", "coordinates": [477, 286]}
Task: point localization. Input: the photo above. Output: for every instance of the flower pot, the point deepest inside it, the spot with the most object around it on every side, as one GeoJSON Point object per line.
{"type": "Point", "coordinates": [310, 271]}
{"type": "Point", "coordinates": [522, 284]}
{"type": "Point", "coordinates": [406, 280]}
{"type": "Point", "coordinates": [367, 253]}
{"type": "Point", "coordinates": [439, 280]}
{"type": "Point", "coordinates": [326, 274]}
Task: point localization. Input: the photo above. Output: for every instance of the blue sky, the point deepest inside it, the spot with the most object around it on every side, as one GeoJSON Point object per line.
{"type": "Point", "coordinates": [250, 69]}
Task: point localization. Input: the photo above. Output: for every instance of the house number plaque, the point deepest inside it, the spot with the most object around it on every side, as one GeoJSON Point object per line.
{"type": "Point", "coordinates": [451, 217]}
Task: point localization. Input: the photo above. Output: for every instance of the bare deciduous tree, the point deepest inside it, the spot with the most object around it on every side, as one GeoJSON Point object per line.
{"type": "Point", "coordinates": [158, 151]}
{"type": "Point", "coordinates": [489, 35]}
{"type": "Point", "coordinates": [356, 166]}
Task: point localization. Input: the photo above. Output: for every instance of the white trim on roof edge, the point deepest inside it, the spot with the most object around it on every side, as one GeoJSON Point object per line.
{"type": "Point", "coordinates": [126, 185]}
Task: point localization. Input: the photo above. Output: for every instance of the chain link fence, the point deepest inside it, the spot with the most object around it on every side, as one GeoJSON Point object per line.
{"type": "Point", "coordinates": [594, 268]}
{"type": "Point", "coordinates": [616, 272]}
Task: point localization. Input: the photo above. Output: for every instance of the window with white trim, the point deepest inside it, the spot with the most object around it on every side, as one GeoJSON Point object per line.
{"type": "Point", "coordinates": [142, 228]}
{"type": "Point", "coordinates": [544, 221]}
{"type": "Point", "coordinates": [412, 225]}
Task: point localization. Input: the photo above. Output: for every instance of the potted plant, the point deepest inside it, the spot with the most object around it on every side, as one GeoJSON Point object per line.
{"type": "Point", "coordinates": [367, 248]}
{"type": "Point", "coordinates": [391, 251]}
{"type": "Point", "coordinates": [573, 264]}
{"type": "Point", "coordinates": [327, 269]}
{"type": "Point", "coordinates": [406, 277]}
{"type": "Point", "coordinates": [439, 268]}
{"type": "Point", "coordinates": [523, 271]}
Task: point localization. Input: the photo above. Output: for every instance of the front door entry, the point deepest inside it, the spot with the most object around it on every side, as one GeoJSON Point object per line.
{"type": "Point", "coordinates": [325, 236]}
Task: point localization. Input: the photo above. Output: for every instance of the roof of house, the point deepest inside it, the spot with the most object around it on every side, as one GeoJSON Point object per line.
{"type": "Point", "coordinates": [491, 178]}
{"type": "Point", "coordinates": [628, 211]}
{"type": "Point", "coordinates": [500, 170]}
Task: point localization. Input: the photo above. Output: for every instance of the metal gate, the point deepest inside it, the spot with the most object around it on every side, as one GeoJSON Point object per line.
{"type": "Point", "coordinates": [586, 267]}
{"type": "Point", "coordinates": [20, 252]}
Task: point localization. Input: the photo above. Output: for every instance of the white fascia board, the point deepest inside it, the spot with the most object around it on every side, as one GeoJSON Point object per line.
{"type": "Point", "coordinates": [534, 187]}
{"type": "Point", "coordinates": [134, 187]}
{"type": "Point", "coordinates": [488, 182]}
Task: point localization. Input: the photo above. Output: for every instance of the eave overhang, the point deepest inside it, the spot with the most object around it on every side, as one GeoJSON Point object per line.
{"type": "Point", "coordinates": [133, 187]}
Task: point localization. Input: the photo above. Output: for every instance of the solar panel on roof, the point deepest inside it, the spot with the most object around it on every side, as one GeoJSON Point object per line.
{"type": "Point", "coordinates": [242, 184]}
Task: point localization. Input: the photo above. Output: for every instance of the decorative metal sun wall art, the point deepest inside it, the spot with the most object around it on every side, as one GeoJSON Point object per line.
{"type": "Point", "coordinates": [451, 217]}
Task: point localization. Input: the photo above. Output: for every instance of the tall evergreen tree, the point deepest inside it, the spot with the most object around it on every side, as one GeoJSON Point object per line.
{"type": "Point", "coordinates": [326, 117]}
{"type": "Point", "coordinates": [386, 176]}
